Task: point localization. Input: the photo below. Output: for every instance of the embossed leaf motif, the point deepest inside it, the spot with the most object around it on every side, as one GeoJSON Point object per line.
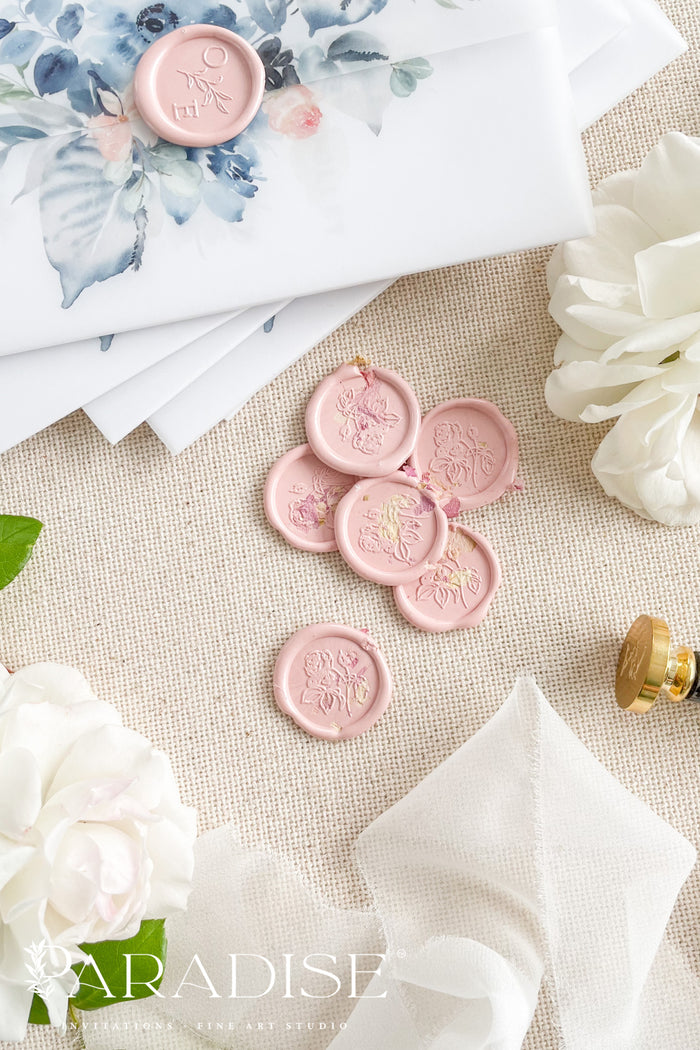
{"type": "Point", "coordinates": [89, 235]}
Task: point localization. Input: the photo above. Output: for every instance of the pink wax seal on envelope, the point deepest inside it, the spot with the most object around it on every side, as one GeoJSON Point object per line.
{"type": "Point", "coordinates": [363, 420]}
{"type": "Point", "coordinates": [332, 680]}
{"type": "Point", "coordinates": [468, 451]}
{"type": "Point", "coordinates": [301, 496]}
{"type": "Point", "coordinates": [199, 86]}
{"type": "Point", "coordinates": [388, 529]}
{"type": "Point", "coordinates": [458, 590]}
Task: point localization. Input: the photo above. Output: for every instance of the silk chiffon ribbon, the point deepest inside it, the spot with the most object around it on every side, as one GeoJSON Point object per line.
{"type": "Point", "coordinates": [519, 861]}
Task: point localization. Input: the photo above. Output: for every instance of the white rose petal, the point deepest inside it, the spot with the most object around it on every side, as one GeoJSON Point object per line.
{"type": "Point", "coordinates": [93, 836]}
{"type": "Point", "coordinates": [628, 302]}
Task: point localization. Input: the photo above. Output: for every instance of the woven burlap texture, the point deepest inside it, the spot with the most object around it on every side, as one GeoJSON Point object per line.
{"type": "Point", "coordinates": [161, 579]}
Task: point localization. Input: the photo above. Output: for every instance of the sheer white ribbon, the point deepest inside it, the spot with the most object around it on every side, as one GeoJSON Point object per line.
{"type": "Point", "coordinates": [519, 857]}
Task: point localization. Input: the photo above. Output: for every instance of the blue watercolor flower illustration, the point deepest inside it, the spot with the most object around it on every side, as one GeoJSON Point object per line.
{"type": "Point", "coordinates": [99, 174]}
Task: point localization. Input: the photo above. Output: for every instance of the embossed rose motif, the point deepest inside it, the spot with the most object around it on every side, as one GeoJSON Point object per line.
{"type": "Point", "coordinates": [303, 513]}
{"type": "Point", "coordinates": [628, 302]}
{"type": "Point", "coordinates": [318, 663]}
{"type": "Point", "coordinates": [316, 506]}
{"type": "Point", "coordinates": [449, 582]}
{"type": "Point", "coordinates": [367, 416]}
{"type": "Point", "coordinates": [447, 434]}
{"type": "Point", "coordinates": [334, 684]}
{"type": "Point", "coordinates": [395, 526]}
{"type": "Point", "coordinates": [459, 456]}
{"type": "Point", "coordinates": [93, 836]}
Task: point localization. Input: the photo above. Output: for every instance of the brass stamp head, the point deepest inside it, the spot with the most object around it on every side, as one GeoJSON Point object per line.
{"type": "Point", "coordinates": [649, 668]}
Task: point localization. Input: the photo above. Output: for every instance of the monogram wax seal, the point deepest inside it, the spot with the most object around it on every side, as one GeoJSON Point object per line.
{"type": "Point", "coordinates": [458, 590]}
{"type": "Point", "coordinates": [363, 420]}
{"type": "Point", "coordinates": [300, 498]}
{"type": "Point", "coordinates": [200, 85]}
{"type": "Point", "coordinates": [332, 680]}
{"type": "Point", "coordinates": [467, 451]}
{"type": "Point", "coordinates": [389, 529]}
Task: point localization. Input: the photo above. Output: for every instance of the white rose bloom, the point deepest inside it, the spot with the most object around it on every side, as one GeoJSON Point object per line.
{"type": "Point", "coordinates": [628, 302]}
{"type": "Point", "coordinates": [93, 836]}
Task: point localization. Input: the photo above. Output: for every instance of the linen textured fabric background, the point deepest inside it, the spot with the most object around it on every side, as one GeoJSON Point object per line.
{"type": "Point", "coordinates": [162, 581]}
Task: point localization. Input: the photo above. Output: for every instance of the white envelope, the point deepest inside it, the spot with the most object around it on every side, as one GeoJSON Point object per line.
{"type": "Point", "coordinates": [120, 410]}
{"type": "Point", "coordinates": [642, 43]}
{"type": "Point", "coordinates": [254, 363]}
{"type": "Point", "coordinates": [642, 48]}
{"type": "Point", "coordinates": [375, 170]}
{"type": "Point", "coordinates": [584, 22]}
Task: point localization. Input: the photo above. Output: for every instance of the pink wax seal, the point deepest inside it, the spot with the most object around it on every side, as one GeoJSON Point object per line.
{"type": "Point", "coordinates": [332, 680]}
{"type": "Point", "coordinates": [363, 421]}
{"type": "Point", "coordinates": [388, 529]}
{"type": "Point", "coordinates": [301, 495]}
{"type": "Point", "coordinates": [199, 85]}
{"type": "Point", "coordinates": [458, 590]}
{"type": "Point", "coordinates": [467, 451]}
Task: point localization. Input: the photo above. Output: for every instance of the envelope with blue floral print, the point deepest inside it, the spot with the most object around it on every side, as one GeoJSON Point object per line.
{"type": "Point", "coordinates": [396, 135]}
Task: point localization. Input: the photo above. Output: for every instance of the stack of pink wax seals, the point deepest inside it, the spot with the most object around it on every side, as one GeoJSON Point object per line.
{"type": "Point", "coordinates": [380, 485]}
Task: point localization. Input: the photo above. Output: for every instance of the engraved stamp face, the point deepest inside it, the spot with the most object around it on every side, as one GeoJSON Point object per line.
{"type": "Point", "coordinates": [632, 659]}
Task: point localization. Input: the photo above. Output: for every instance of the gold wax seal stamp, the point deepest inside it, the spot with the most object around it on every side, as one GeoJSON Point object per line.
{"type": "Point", "coordinates": [648, 668]}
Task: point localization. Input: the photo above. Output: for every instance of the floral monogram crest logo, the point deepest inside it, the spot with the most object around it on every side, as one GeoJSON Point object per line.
{"type": "Point", "coordinates": [451, 581]}
{"type": "Point", "coordinates": [335, 684]}
{"type": "Point", "coordinates": [395, 527]}
{"type": "Point", "coordinates": [460, 458]}
{"type": "Point", "coordinates": [316, 505]}
{"type": "Point", "coordinates": [367, 416]}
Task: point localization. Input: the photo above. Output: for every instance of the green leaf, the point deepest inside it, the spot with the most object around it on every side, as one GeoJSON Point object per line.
{"type": "Point", "coordinates": [17, 538]}
{"type": "Point", "coordinates": [448, 3]}
{"type": "Point", "coordinates": [402, 82]}
{"type": "Point", "coordinates": [110, 964]}
{"type": "Point", "coordinates": [419, 67]}
{"type": "Point", "coordinates": [10, 92]}
{"type": "Point", "coordinates": [38, 1013]}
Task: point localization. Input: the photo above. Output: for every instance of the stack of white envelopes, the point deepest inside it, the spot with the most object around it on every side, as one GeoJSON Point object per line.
{"type": "Point", "coordinates": [144, 281]}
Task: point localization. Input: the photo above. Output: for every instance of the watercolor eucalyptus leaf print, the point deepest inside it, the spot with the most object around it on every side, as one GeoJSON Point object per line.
{"type": "Point", "coordinates": [89, 234]}
{"type": "Point", "coordinates": [71, 22]}
{"type": "Point", "coordinates": [322, 14]}
{"type": "Point", "coordinates": [66, 106]}
{"type": "Point", "coordinates": [356, 46]}
{"type": "Point", "coordinates": [270, 15]}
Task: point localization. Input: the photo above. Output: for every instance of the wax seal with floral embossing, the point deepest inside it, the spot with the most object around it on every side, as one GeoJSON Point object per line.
{"type": "Point", "coordinates": [332, 680]}
{"type": "Point", "coordinates": [363, 420]}
{"type": "Point", "coordinates": [458, 590]}
{"type": "Point", "coordinates": [467, 451]}
{"type": "Point", "coordinates": [300, 498]}
{"type": "Point", "coordinates": [390, 529]}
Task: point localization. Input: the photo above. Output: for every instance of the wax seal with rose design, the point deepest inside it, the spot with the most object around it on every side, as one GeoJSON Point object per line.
{"type": "Point", "coordinates": [458, 590]}
{"type": "Point", "coordinates": [300, 498]}
{"type": "Point", "coordinates": [332, 680]}
{"type": "Point", "coordinates": [363, 421]}
{"type": "Point", "coordinates": [390, 529]}
{"type": "Point", "coordinates": [467, 451]}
